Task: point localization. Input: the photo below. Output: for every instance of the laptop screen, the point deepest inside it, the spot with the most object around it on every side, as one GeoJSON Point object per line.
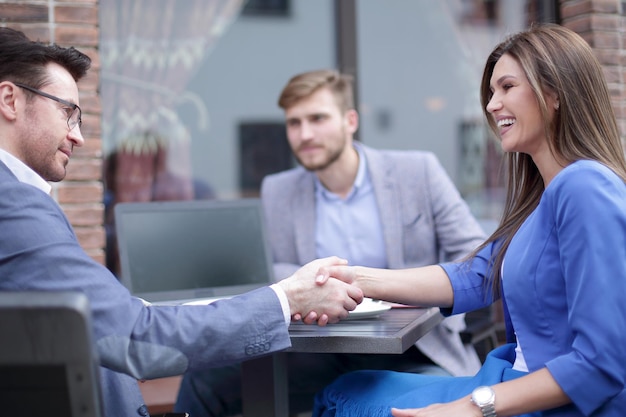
{"type": "Point", "coordinates": [185, 250]}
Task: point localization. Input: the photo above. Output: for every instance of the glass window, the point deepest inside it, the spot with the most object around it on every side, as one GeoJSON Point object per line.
{"type": "Point", "coordinates": [420, 66]}
{"type": "Point", "coordinates": [189, 93]}
{"type": "Point", "coordinates": [189, 89]}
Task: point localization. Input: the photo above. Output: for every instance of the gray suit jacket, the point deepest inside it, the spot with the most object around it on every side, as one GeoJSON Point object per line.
{"type": "Point", "coordinates": [425, 221]}
{"type": "Point", "coordinates": [39, 251]}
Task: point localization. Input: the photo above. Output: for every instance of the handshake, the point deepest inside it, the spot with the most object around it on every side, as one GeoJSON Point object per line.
{"type": "Point", "coordinates": [322, 291]}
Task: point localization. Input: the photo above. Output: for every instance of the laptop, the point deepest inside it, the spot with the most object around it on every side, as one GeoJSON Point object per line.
{"type": "Point", "coordinates": [186, 252]}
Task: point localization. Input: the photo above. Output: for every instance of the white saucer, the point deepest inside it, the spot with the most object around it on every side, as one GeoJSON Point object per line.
{"type": "Point", "coordinates": [368, 308]}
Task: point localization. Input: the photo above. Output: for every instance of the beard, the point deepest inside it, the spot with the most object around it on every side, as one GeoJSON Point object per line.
{"type": "Point", "coordinates": [39, 149]}
{"type": "Point", "coordinates": [49, 166]}
{"type": "Point", "coordinates": [332, 151]}
{"type": "Point", "coordinates": [330, 156]}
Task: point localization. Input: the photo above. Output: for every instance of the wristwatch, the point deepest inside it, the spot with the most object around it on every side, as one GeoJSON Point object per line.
{"type": "Point", "coordinates": [485, 399]}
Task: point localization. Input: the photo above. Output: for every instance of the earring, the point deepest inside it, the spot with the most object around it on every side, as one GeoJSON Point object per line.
{"type": "Point", "coordinates": [556, 105]}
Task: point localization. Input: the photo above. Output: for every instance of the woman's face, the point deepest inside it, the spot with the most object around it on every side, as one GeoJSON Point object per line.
{"type": "Point", "coordinates": [515, 109]}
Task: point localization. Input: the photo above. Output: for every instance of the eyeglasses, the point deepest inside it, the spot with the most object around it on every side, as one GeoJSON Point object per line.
{"type": "Point", "coordinates": [74, 117]}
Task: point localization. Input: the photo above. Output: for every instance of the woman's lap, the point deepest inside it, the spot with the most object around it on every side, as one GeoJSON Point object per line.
{"type": "Point", "coordinates": [373, 393]}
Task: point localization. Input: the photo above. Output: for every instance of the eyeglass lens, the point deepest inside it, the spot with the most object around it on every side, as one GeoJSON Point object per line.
{"type": "Point", "coordinates": [73, 119]}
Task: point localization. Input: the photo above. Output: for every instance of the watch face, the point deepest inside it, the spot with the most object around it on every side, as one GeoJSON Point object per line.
{"type": "Point", "coordinates": [482, 395]}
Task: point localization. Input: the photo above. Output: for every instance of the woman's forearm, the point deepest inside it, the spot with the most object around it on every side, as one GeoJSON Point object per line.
{"type": "Point", "coordinates": [533, 392]}
{"type": "Point", "coordinates": [425, 286]}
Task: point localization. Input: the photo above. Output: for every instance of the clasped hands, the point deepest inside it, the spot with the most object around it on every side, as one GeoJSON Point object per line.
{"type": "Point", "coordinates": [316, 297]}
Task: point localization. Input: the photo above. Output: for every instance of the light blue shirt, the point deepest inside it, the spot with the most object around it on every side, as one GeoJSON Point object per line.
{"type": "Point", "coordinates": [350, 228]}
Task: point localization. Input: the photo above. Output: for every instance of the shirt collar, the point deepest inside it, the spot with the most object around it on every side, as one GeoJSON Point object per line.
{"type": "Point", "coordinates": [360, 174]}
{"type": "Point", "coordinates": [24, 173]}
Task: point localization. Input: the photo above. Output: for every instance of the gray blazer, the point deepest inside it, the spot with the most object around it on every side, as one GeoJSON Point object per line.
{"type": "Point", "coordinates": [39, 251]}
{"type": "Point", "coordinates": [425, 221]}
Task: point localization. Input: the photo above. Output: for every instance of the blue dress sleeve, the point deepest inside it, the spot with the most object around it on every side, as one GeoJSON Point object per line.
{"type": "Point", "coordinates": [469, 281]}
{"type": "Point", "coordinates": [590, 220]}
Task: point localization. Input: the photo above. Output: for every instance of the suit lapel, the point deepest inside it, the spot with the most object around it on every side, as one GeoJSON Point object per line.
{"type": "Point", "coordinates": [388, 200]}
{"type": "Point", "coordinates": [304, 213]}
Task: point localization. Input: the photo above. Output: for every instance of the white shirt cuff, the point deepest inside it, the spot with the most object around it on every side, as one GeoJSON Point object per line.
{"type": "Point", "coordinates": [284, 302]}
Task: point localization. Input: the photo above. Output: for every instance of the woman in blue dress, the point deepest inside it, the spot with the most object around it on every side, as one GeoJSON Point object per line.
{"type": "Point", "coordinates": [557, 259]}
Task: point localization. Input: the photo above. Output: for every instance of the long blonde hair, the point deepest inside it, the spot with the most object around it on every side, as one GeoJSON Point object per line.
{"type": "Point", "coordinates": [556, 60]}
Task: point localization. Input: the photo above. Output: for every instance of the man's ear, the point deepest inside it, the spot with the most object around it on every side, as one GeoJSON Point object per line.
{"type": "Point", "coordinates": [8, 102]}
{"type": "Point", "coordinates": [352, 120]}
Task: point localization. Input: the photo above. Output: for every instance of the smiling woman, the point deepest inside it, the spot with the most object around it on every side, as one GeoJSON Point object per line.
{"type": "Point", "coordinates": [515, 110]}
{"type": "Point", "coordinates": [545, 95]}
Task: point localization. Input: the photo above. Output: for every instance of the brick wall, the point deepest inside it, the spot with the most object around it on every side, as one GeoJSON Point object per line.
{"type": "Point", "coordinates": [603, 24]}
{"type": "Point", "coordinates": [73, 23]}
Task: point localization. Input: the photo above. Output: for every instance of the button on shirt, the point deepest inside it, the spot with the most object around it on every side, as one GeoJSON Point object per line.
{"type": "Point", "coordinates": [350, 228]}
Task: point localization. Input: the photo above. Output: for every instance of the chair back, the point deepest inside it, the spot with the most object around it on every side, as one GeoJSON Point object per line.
{"type": "Point", "coordinates": [48, 364]}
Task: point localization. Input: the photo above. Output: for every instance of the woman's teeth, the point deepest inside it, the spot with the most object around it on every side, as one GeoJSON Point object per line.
{"type": "Point", "coordinates": [505, 122]}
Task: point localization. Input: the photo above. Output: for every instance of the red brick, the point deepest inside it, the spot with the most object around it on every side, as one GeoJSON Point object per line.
{"type": "Point", "coordinates": [605, 40]}
{"type": "Point", "coordinates": [605, 6]}
{"type": "Point", "coordinates": [607, 57]}
{"type": "Point", "coordinates": [75, 35]}
{"type": "Point", "coordinates": [90, 237]}
{"type": "Point", "coordinates": [92, 2]}
{"type": "Point", "coordinates": [80, 192]}
{"type": "Point", "coordinates": [605, 22]}
{"type": "Point", "coordinates": [35, 31]}
{"type": "Point", "coordinates": [90, 82]}
{"type": "Point", "coordinates": [91, 125]}
{"type": "Point", "coordinates": [92, 149]}
{"type": "Point", "coordinates": [85, 215]}
{"type": "Point", "coordinates": [579, 24]}
{"type": "Point", "coordinates": [84, 170]}
{"type": "Point", "coordinates": [575, 8]}
{"type": "Point", "coordinates": [616, 92]}
{"type": "Point", "coordinates": [92, 53]}
{"type": "Point", "coordinates": [613, 75]}
{"type": "Point", "coordinates": [97, 255]}
{"type": "Point", "coordinates": [12, 12]}
{"type": "Point", "coordinates": [84, 14]}
{"type": "Point", "coordinates": [90, 103]}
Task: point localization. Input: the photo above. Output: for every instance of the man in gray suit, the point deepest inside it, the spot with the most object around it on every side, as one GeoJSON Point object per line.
{"type": "Point", "coordinates": [390, 209]}
{"type": "Point", "coordinates": [40, 124]}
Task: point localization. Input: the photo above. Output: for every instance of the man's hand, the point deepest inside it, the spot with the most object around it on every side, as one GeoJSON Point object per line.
{"type": "Point", "coordinates": [323, 304]}
{"type": "Point", "coordinates": [341, 272]}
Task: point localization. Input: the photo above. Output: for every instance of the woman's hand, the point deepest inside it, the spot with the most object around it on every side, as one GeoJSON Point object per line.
{"type": "Point", "coordinates": [462, 407]}
{"type": "Point", "coordinates": [321, 304]}
{"type": "Point", "coordinates": [343, 273]}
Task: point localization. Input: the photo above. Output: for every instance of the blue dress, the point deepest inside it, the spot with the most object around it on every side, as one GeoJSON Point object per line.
{"type": "Point", "coordinates": [564, 288]}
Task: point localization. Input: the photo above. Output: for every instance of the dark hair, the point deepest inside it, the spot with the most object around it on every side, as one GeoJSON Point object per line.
{"type": "Point", "coordinates": [303, 85]}
{"type": "Point", "coordinates": [24, 61]}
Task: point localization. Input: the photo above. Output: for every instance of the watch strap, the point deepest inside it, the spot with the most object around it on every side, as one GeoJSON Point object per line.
{"type": "Point", "coordinates": [489, 410]}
